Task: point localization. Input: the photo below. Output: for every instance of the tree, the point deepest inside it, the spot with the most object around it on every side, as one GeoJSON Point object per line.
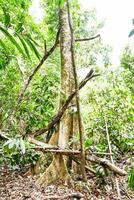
{"type": "Point", "coordinates": [57, 169]}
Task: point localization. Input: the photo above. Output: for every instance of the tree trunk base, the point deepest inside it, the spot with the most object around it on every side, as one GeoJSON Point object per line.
{"type": "Point", "coordinates": [57, 171]}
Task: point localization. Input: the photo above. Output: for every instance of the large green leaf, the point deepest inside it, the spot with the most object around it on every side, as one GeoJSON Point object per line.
{"type": "Point", "coordinates": [12, 39]}
{"type": "Point", "coordinates": [3, 46]}
{"type": "Point", "coordinates": [24, 45]}
{"type": "Point", "coordinates": [33, 48]}
{"type": "Point", "coordinates": [33, 41]}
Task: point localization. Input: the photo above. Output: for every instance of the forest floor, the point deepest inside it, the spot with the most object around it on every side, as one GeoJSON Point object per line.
{"type": "Point", "coordinates": [15, 186]}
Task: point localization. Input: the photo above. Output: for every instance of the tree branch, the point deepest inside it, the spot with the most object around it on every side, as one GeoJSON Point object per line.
{"type": "Point", "coordinates": [81, 133]}
{"type": "Point", "coordinates": [41, 146]}
{"type": "Point", "coordinates": [70, 196]}
{"type": "Point", "coordinates": [60, 113]}
{"type": "Point", "coordinates": [106, 163]}
{"type": "Point", "coordinates": [87, 39]}
{"type": "Point", "coordinates": [46, 55]}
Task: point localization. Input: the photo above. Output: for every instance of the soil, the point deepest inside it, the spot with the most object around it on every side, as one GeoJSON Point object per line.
{"type": "Point", "coordinates": [15, 186]}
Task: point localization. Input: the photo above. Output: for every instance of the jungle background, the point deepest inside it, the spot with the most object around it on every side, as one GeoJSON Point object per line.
{"type": "Point", "coordinates": [30, 92]}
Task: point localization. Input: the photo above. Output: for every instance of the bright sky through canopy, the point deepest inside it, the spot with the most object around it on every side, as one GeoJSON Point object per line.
{"type": "Point", "coordinates": [118, 16]}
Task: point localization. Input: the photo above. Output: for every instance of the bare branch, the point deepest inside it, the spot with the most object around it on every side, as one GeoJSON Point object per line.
{"type": "Point", "coordinates": [70, 196]}
{"type": "Point", "coordinates": [46, 55]}
{"type": "Point", "coordinates": [112, 160]}
{"type": "Point", "coordinates": [62, 151]}
{"type": "Point", "coordinates": [87, 39]}
{"type": "Point", "coordinates": [45, 46]}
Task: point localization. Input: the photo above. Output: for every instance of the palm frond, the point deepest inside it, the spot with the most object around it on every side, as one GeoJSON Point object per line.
{"type": "Point", "coordinates": [12, 39]}
{"type": "Point", "coordinates": [24, 44]}
{"type": "Point", "coordinates": [3, 45]}
{"type": "Point", "coordinates": [33, 48]}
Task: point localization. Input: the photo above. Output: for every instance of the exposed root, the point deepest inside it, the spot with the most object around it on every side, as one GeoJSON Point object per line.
{"type": "Point", "coordinates": [57, 171]}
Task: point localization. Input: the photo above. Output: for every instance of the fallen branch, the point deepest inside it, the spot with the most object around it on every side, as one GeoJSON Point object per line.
{"type": "Point", "coordinates": [41, 144]}
{"type": "Point", "coordinates": [60, 113]}
{"type": "Point", "coordinates": [73, 195]}
{"type": "Point", "coordinates": [62, 151]}
{"type": "Point", "coordinates": [106, 163]}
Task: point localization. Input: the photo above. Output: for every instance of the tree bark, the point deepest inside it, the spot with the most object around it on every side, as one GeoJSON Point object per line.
{"type": "Point", "coordinates": [58, 169]}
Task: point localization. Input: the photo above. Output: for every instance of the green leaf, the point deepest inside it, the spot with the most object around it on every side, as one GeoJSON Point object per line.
{"type": "Point", "coordinates": [11, 38]}
{"type": "Point", "coordinates": [24, 45]}
{"type": "Point", "coordinates": [62, 3]}
{"type": "Point", "coordinates": [131, 179]}
{"type": "Point", "coordinates": [33, 48]}
{"type": "Point", "coordinates": [33, 41]}
{"type": "Point", "coordinates": [7, 17]}
{"type": "Point", "coordinates": [56, 2]}
{"type": "Point", "coordinates": [131, 33]}
{"type": "Point", "coordinates": [3, 45]}
{"type": "Point", "coordinates": [88, 142]}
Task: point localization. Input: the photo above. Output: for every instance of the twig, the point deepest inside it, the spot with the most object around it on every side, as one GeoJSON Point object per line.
{"type": "Point", "coordinates": [102, 153]}
{"type": "Point", "coordinates": [87, 39]}
{"type": "Point", "coordinates": [73, 195]}
{"type": "Point", "coordinates": [45, 46]}
{"type": "Point", "coordinates": [111, 157]}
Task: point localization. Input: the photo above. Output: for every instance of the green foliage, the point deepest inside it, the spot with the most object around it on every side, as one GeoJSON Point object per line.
{"type": "Point", "coordinates": [18, 153]}
{"type": "Point", "coordinates": [110, 97]}
{"type": "Point", "coordinates": [131, 179]}
{"type": "Point", "coordinates": [11, 38]}
{"type": "Point", "coordinates": [16, 144]}
{"type": "Point", "coordinates": [57, 2]}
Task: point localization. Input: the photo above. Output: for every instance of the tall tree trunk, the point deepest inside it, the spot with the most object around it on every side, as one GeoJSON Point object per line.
{"type": "Point", "coordinates": [57, 169]}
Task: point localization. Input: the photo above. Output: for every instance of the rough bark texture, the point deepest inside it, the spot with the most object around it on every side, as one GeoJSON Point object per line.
{"type": "Point", "coordinates": [67, 81]}
{"type": "Point", "coordinates": [57, 169]}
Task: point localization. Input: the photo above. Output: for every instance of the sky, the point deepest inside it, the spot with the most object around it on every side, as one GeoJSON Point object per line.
{"type": "Point", "coordinates": [118, 16]}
